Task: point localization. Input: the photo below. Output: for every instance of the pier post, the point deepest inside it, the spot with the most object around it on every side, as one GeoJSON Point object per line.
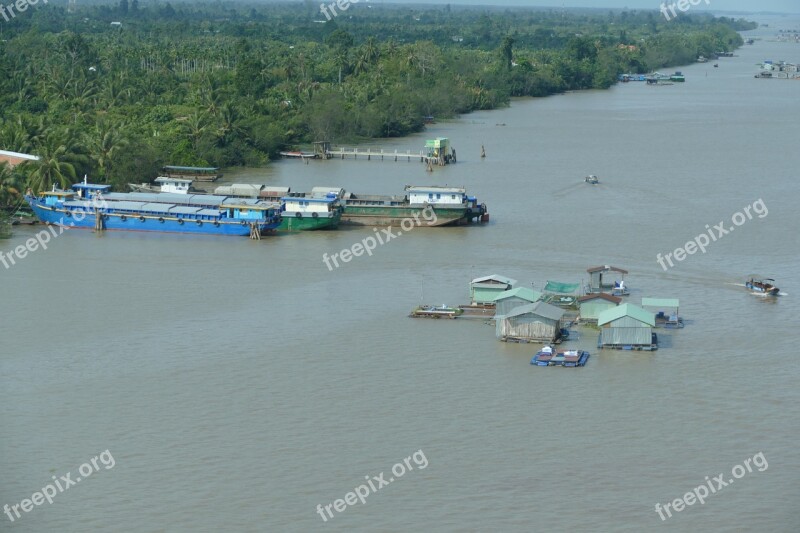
{"type": "Point", "coordinates": [369, 154]}
{"type": "Point", "coordinates": [98, 221]}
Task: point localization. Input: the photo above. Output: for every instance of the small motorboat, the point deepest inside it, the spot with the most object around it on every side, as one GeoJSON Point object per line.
{"type": "Point", "coordinates": [765, 286]}
{"type": "Point", "coordinates": [592, 179]}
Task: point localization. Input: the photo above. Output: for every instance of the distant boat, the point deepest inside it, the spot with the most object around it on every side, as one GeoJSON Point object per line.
{"type": "Point", "coordinates": [678, 76]}
{"type": "Point", "coordinates": [765, 286]}
{"type": "Point", "coordinates": [192, 173]}
{"type": "Point", "coordinates": [591, 178]}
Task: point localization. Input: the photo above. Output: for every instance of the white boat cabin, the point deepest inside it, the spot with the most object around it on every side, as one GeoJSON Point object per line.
{"type": "Point", "coordinates": [292, 205]}
{"type": "Point", "coordinates": [176, 185]}
{"type": "Point", "coordinates": [436, 195]}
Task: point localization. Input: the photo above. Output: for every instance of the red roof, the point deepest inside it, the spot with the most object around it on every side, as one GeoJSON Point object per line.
{"type": "Point", "coordinates": [602, 295]}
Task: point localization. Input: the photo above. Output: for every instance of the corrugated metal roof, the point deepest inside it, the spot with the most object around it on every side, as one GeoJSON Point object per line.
{"type": "Point", "coordinates": [308, 199]}
{"type": "Point", "coordinates": [185, 210]}
{"type": "Point", "coordinates": [321, 192]}
{"type": "Point", "coordinates": [660, 302]}
{"type": "Point", "coordinates": [173, 167]}
{"type": "Point", "coordinates": [164, 179]}
{"type": "Point", "coordinates": [606, 268]}
{"type": "Point", "coordinates": [497, 278]}
{"type": "Point", "coordinates": [633, 311]}
{"type": "Point", "coordinates": [604, 296]}
{"type": "Point", "coordinates": [520, 292]}
{"type": "Point", "coordinates": [125, 206]}
{"type": "Point", "coordinates": [157, 208]}
{"type": "Point", "coordinates": [542, 309]}
{"type": "Point", "coordinates": [435, 188]}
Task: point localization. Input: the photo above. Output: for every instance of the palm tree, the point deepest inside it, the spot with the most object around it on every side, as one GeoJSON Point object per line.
{"type": "Point", "coordinates": [105, 142]}
{"type": "Point", "coordinates": [194, 126]}
{"type": "Point", "coordinates": [58, 155]}
{"type": "Point", "coordinates": [11, 183]}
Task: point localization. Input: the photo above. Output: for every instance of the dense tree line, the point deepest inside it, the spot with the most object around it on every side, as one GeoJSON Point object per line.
{"type": "Point", "coordinates": [230, 84]}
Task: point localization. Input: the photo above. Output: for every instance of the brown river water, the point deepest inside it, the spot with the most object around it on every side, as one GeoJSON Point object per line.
{"type": "Point", "coordinates": [239, 384]}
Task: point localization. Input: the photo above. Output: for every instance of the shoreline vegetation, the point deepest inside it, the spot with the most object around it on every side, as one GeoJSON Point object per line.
{"type": "Point", "coordinates": [117, 90]}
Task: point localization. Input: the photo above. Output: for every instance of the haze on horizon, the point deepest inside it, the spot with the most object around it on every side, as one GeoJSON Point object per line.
{"type": "Point", "coordinates": [752, 6]}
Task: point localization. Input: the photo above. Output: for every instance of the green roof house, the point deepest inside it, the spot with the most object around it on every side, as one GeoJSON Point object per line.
{"type": "Point", "coordinates": [592, 305]}
{"type": "Point", "coordinates": [626, 326]}
{"type": "Point", "coordinates": [483, 290]}
{"type": "Point", "coordinates": [538, 321]}
{"type": "Point", "coordinates": [508, 300]}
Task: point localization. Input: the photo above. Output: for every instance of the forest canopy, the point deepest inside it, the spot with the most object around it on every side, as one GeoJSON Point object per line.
{"type": "Point", "coordinates": [118, 90]}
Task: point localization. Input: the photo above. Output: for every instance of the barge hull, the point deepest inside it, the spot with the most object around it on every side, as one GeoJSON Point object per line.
{"type": "Point", "coordinates": [130, 222]}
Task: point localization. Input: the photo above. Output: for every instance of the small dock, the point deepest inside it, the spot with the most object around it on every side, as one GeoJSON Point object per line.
{"type": "Point", "coordinates": [432, 311]}
{"type": "Point", "coordinates": [437, 152]}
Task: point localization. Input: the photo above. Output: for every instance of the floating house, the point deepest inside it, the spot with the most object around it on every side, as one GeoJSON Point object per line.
{"type": "Point", "coordinates": [537, 322]}
{"type": "Point", "coordinates": [667, 315]}
{"type": "Point", "coordinates": [606, 279]}
{"type": "Point", "coordinates": [592, 305]}
{"type": "Point", "coordinates": [482, 291]}
{"type": "Point", "coordinates": [508, 300]}
{"type": "Point", "coordinates": [627, 327]}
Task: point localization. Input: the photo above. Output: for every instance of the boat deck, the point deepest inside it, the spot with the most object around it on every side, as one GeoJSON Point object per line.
{"type": "Point", "coordinates": [430, 311]}
{"type": "Point", "coordinates": [570, 358]}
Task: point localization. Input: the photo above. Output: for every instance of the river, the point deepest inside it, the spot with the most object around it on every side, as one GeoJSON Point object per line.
{"type": "Point", "coordinates": [239, 384]}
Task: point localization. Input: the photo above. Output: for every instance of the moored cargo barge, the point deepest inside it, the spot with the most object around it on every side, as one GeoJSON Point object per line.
{"type": "Point", "coordinates": [442, 206]}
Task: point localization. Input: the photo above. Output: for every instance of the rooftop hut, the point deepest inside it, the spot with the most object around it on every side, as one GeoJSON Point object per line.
{"type": "Point", "coordinates": [592, 305]}
{"type": "Point", "coordinates": [605, 278]}
{"type": "Point", "coordinates": [536, 322]}
{"type": "Point", "coordinates": [508, 300]}
{"type": "Point", "coordinates": [482, 291]}
{"type": "Point", "coordinates": [626, 326]}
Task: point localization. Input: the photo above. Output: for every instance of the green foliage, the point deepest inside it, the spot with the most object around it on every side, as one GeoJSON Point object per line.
{"type": "Point", "coordinates": [225, 84]}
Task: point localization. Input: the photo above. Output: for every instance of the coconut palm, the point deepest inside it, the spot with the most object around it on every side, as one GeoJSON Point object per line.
{"type": "Point", "coordinates": [58, 154]}
{"type": "Point", "coordinates": [104, 143]}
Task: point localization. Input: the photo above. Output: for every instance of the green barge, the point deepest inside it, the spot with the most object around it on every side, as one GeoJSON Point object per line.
{"type": "Point", "coordinates": [429, 205]}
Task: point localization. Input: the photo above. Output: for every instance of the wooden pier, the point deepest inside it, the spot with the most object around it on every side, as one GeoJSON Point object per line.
{"type": "Point", "coordinates": [324, 150]}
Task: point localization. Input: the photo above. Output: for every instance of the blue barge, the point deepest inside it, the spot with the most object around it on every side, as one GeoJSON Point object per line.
{"type": "Point", "coordinates": [569, 358]}
{"type": "Point", "coordinates": [92, 206]}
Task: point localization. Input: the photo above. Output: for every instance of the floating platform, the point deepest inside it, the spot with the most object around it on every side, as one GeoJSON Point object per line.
{"type": "Point", "coordinates": [478, 311]}
{"type": "Point", "coordinates": [569, 358]}
{"type": "Point", "coordinates": [432, 311]}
